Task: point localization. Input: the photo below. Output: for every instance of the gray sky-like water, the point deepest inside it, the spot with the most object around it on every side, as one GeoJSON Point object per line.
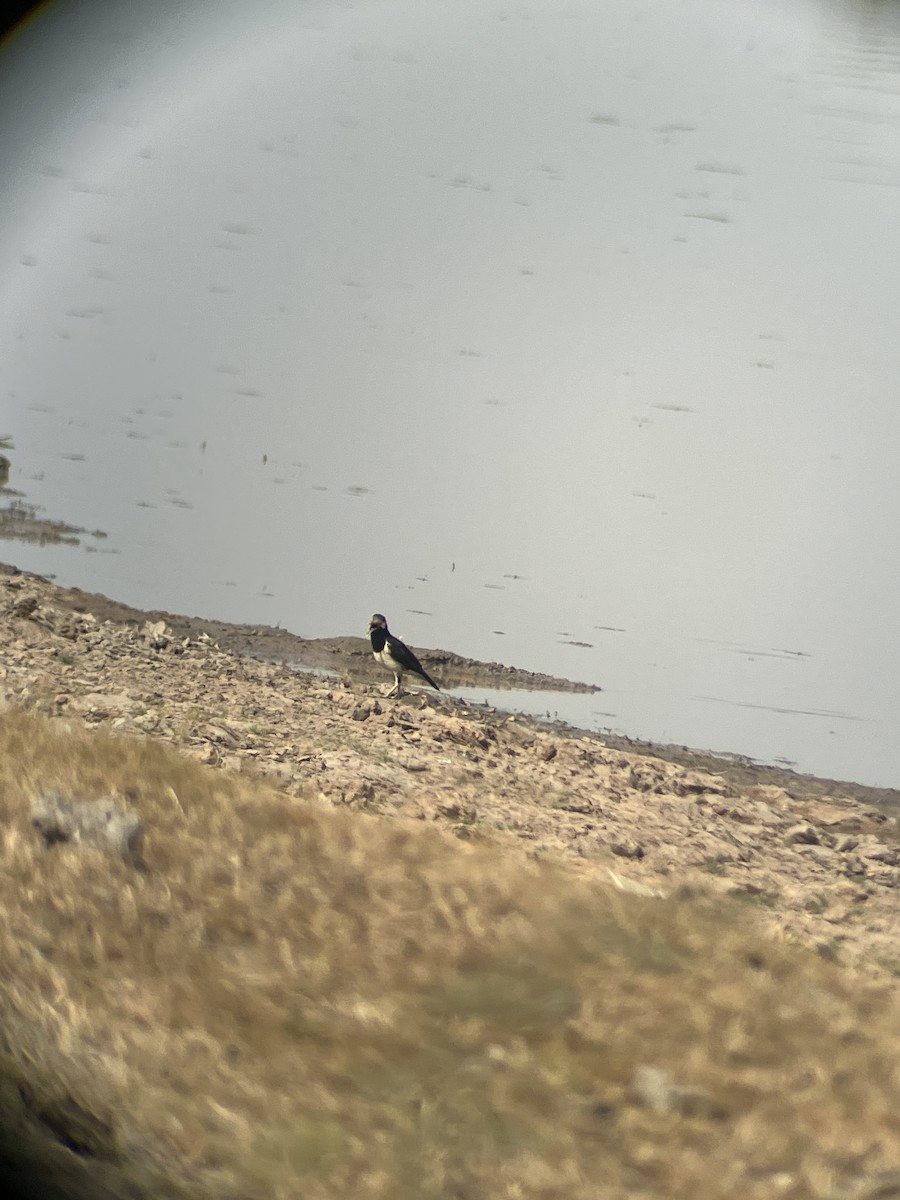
{"type": "Point", "coordinates": [565, 333]}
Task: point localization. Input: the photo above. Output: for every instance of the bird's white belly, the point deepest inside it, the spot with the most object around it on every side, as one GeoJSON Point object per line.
{"type": "Point", "coordinates": [384, 657]}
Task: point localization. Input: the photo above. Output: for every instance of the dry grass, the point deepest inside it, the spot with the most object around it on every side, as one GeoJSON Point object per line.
{"type": "Point", "coordinates": [286, 1001]}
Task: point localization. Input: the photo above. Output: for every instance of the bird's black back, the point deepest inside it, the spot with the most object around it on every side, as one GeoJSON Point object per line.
{"type": "Point", "coordinates": [402, 654]}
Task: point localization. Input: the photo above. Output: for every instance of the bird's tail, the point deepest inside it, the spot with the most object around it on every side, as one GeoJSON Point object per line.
{"type": "Point", "coordinates": [428, 679]}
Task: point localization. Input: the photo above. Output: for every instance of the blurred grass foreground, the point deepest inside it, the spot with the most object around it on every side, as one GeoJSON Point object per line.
{"type": "Point", "coordinates": [272, 999]}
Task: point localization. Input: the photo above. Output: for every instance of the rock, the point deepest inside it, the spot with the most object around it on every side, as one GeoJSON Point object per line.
{"type": "Point", "coordinates": [827, 815]}
{"type": "Point", "coordinates": [708, 849]}
{"type": "Point", "coordinates": [467, 733]}
{"type": "Point", "coordinates": [61, 818]}
{"type": "Point", "coordinates": [649, 775]}
{"type": "Point", "coordinates": [458, 812]}
{"type": "Point", "coordinates": [205, 753]}
{"type": "Point", "coordinates": [772, 795]}
{"type": "Point", "coordinates": [626, 848]}
{"type": "Point", "coordinates": [99, 705]}
{"type": "Point", "coordinates": [156, 634]}
{"type": "Point", "coordinates": [823, 855]}
{"type": "Point", "coordinates": [875, 851]}
{"type": "Point", "coordinates": [803, 834]}
{"type": "Point", "coordinates": [749, 888]}
{"type": "Point", "coordinates": [25, 607]}
{"type": "Point", "coordinates": [221, 734]}
{"type": "Point", "coordinates": [699, 783]}
{"type": "Point", "coordinates": [518, 733]}
{"type": "Point", "coordinates": [633, 887]}
{"type": "Point", "coordinates": [654, 1088]}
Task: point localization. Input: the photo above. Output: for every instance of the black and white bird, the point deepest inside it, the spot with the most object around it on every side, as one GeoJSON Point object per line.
{"type": "Point", "coordinates": [394, 655]}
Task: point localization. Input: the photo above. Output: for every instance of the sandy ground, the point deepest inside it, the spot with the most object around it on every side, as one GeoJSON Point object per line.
{"type": "Point", "coordinates": [351, 658]}
{"type": "Point", "coordinates": [818, 860]}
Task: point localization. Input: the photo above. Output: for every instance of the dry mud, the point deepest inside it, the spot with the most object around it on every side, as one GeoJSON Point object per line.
{"type": "Point", "coordinates": [818, 861]}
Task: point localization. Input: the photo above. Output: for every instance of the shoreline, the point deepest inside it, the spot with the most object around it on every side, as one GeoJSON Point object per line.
{"type": "Point", "coordinates": [350, 657]}
{"type": "Point", "coordinates": [272, 803]}
{"type": "Point", "coordinates": [658, 819]}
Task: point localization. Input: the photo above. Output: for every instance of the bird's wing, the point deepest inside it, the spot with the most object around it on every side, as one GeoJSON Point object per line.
{"type": "Point", "coordinates": [402, 654]}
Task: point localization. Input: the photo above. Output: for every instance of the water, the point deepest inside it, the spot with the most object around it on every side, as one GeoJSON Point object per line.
{"type": "Point", "coordinates": [565, 334]}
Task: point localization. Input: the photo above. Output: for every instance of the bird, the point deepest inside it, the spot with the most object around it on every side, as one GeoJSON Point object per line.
{"type": "Point", "coordinates": [393, 654]}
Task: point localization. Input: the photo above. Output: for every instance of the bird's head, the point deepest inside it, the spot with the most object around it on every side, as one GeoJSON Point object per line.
{"type": "Point", "coordinates": [378, 621]}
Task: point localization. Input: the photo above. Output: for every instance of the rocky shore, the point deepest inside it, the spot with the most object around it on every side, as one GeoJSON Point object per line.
{"type": "Point", "coordinates": [818, 862]}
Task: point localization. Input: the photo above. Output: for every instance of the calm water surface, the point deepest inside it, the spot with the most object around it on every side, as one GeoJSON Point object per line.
{"type": "Point", "coordinates": [565, 333]}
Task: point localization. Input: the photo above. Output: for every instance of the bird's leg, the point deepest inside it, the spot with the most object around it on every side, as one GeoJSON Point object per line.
{"type": "Point", "coordinates": [395, 690]}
